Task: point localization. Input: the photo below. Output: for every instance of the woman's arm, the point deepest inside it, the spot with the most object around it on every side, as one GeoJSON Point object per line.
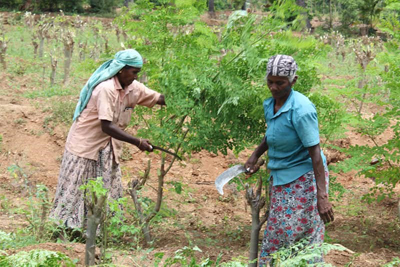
{"type": "Point", "coordinates": [251, 162]}
{"type": "Point", "coordinates": [324, 206]}
{"type": "Point", "coordinates": [114, 131]}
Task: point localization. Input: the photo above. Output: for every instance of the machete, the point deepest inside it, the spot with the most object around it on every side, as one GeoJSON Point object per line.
{"type": "Point", "coordinates": [231, 173]}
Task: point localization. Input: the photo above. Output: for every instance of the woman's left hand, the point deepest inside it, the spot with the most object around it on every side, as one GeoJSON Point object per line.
{"type": "Point", "coordinates": [325, 209]}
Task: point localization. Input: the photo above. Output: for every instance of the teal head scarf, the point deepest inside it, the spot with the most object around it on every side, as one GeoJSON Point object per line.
{"type": "Point", "coordinates": [109, 69]}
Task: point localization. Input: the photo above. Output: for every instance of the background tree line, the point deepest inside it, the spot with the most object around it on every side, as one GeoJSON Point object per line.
{"type": "Point", "coordinates": [334, 14]}
{"type": "Point", "coordinates": [75, 6]}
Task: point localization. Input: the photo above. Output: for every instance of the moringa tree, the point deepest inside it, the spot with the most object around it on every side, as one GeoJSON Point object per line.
{"type": "Point", "coordinates": [214, 99]}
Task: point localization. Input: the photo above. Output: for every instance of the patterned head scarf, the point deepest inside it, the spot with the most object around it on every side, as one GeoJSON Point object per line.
{"type": "Point", "coordinates": [282, 65]}
{"type": "Point", "coordinates": [128, 57]}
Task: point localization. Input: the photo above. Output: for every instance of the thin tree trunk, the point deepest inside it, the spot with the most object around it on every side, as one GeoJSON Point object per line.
{"type": "Point", "coordinates": [361, 85]}
{"type": "Point", "coordinates": [67, 65]}
{"type": "Point", "coordinates": [398, 209]}
{"type": "Point", "coordinates": [54, 63]}
{"type": "Point", "coordinates": [118, 34]}
{"type": "Point", "coordinates": [94, 218]}
{"type": "Point", "coordinates": [133, 187]}
{"type": "Point", "coordinates": [35, 48]}
{"type": "Point", "coordinates": [142, 219]}
{"type": "Point", "coordinates": [41, 45]}
{"type": "Point", "coordinates": [136, 185]}
{"type": "Point", "coordinates": [211, 8]}
{"type": "Point", "coordinates": [3, 50]}
{"type": "Point", "coordinates": [68, 40]}
{"type": "Point", "coordinates": [330, 15]}
{"type": "Point", "coordinates": [82, 50]}
{"type": "Point", "coordinates": [256, 202]}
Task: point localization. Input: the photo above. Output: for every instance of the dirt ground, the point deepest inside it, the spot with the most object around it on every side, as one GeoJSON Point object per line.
{"type": "Point", "coordinates": [216, 224]}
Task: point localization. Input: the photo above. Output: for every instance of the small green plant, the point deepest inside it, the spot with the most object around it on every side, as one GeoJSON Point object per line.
{"type": "Point", "coordinates": [302, 254]}
{"type": "Point", "coordinates": [37, 257]}
{"type": "Point", "coordinates": [119, 224]}
{"type": "Point", "coordinates": [393, 263]}
{"type": "Point", "coordinates": [5, 240]}
{"type": "Point", "coordinates": [5, 203]}
{"type": "Point", "coordinates": [126, 153]}
{"type": "Point", "coordinates": [96, 203]}
{"type": "Point", "coordinates": [186, 257]}
{"type": "Point", "coordinates": [37, 214]}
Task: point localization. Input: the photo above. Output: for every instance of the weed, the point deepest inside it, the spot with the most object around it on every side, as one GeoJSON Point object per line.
{"type": "Point", "coordinates": [302, 254]}
{"type": "Point", "coordinates": [393, 263]}
{"type": "Point", "coordinates": [126, 153]}
{"type": "Point", "coordinates": [186, 257]}
{"type": "Point", "coordinates": [20, 121]}
{"type": "Point", "coordinates": [37, 258]}
{"type": "Point", "coordinates": [50, 91]}
{"type": "Point", "coordinates": [235, 234]}
{"type": "Point", "coordinates": [5, 203]}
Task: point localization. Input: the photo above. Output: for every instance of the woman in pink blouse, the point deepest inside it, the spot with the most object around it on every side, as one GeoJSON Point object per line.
{"type": "Point", "coordinates": [94, 142]}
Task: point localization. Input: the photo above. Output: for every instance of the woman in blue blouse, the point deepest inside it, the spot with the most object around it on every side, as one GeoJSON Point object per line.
{"type": "Point", "coordinates": [299, 204]}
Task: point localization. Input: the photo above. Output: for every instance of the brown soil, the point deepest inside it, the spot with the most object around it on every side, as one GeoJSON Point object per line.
{"type": "Point", "coordinates": [216, 224]}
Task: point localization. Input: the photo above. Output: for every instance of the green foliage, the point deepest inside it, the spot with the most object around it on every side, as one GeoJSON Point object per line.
{"type": "Point", "coordinates": [393, 263]}
{"type": "Point", "coordinates": [103, 6]}
{"type": "Point", "coordinates": [302, 254]}
{"type": "Point", "coordinates": [94, 186]}
{"type": "Point", "coordinates": [118, 225]}
{"type": "Point", "coordinates": [390, 19]}
{"type": "Point", "coordinates": [61, 112]}
{"type": "Point", "coordinates": [359, 11]}
{"type": "Point", "coordinates": [331, 115]}
{"type": "Point", "coordinates": [5, 239]}
{"type": "Point", "coordinates": [177, 186]}
{"type": "Point", "coordinates": [49, 92]}
{"type": "Point", "coordinates": [289, 12]}
{"type": "Point", "coordinates": [214, 99]}
{"type": "Point", "coordinates": [12, 4]}
{"type": "Point", "coordinates": [385, 173]}
{"type": "Point", "coordinates": [45, 5]}
{"type": "Point", "coordinates": [37, 258]}
{"type": "Point", "coordinates": [186, 257]}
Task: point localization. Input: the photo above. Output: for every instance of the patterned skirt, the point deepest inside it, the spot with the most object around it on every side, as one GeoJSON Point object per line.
{"type": "Point", "coordinates": [69, 205]}
{"type": "Point", "coordinates": [293, 216]}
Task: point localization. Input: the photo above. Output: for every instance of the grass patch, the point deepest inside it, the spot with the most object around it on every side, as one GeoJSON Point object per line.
{"type": "Point", "coordinates": [57, 90]}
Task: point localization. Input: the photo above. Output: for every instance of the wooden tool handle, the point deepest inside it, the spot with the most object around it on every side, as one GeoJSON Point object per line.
{"type": "Point", "coordinates": [259, 163]}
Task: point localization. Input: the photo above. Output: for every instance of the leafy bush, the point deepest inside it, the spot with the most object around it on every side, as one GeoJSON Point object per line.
{"type": "Point", "coordinates": [302, 254]}
{"type": "Point", "coordinates": [221, 93]}
{"type": "Point", "coordinates": [103, 6]}
{"type": "Point", "coordinates": [5, 239]}
{"type": "Point", "coordinates": [12, 4]}
{"type": "Point", "coordinates": [37, 257]}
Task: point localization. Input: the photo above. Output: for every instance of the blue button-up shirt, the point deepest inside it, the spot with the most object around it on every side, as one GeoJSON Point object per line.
{"type": "Point", "coordinates": [289, 133]}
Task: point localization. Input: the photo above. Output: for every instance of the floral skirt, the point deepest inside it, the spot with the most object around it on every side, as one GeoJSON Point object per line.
{"type": "Point", "coordinates": [69, 205]}
{"type": "Point", "coordinates": [293, 216]}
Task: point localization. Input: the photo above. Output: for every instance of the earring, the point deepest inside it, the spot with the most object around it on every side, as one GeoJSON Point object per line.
{"type": "Point", "coordinates": [120, 71]}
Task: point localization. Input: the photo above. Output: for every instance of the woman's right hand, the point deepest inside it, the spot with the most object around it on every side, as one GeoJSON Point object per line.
{"type": "Point", "coordinates": [250, 165]}
{"type": "Point", "coordinates": [145, 145]}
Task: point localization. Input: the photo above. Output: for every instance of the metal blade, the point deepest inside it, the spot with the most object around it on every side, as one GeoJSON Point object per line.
{"type": "Point", "coordinates": [228, 175]}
